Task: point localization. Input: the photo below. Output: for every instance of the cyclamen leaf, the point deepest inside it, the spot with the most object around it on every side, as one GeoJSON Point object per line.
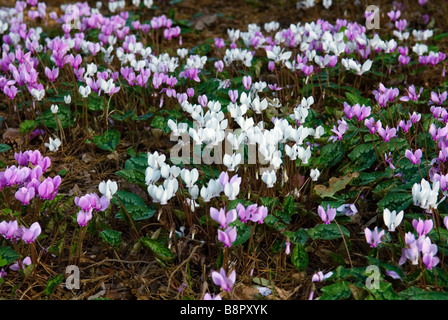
{"type": "Point", "coordinates": [108, 141]}
{"type": "Point", "coordinates": [112, 237]}
{"type": "Point", "coordinates": [159, 250]}
{"type": "Point", "coordinates": [328, 232]}
{"type": "Point", "coordinates": [53, 283]}
{"type": "Point", "coordinates": [299, 257]}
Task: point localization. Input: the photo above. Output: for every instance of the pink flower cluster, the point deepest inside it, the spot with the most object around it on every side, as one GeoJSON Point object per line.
{"type": "Point", "coordinates": [30, 180]}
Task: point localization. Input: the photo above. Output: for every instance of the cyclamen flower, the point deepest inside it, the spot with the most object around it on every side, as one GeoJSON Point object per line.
{"type": "Point", "coordinates": [17, 266]}
{"type": "Point", "coordinates": [320, 276]}
{"type": "Point", "coordinates": [227, 236]}
{"type": "Point", "coordinates": [412, 94]}
{"type": "Point", "coordinates": [373, 238]}
{"type": "Point", "coordinates": [372, 125]}
{"type": "Point", "coordinates": [392, 219]}
{"type": "Point", "coordinates": [327, 216]}
{"type": "Point", "coordinates": [424, 196]}
{"type": "Point", "coordinates": [221, 279]}
{"type": "Point", "coordinates": [24, 195]}
{"type": "Point", "coordinates": [423, 227]}
{"type": "Point", "coordinates": [30, 234]}
{"type": "Point", "coordinates": [108, 188]}
{"type": "Point", "coordinates": [222, 217]}
{"type": "Point", "coordinates": [415, 157]}
{"type": "Point", "coordinates": [387, 133]}
{"type": "Point", "coordinates": [339, 131]}
{"type": "Point", "coordinates": [207, 296]}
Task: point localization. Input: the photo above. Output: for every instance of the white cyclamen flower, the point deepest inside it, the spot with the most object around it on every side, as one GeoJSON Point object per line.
{"type": "Point", "coordinates": [314, 174]}
{"type": "Point", "coordinates": [53, 145]}
{"type": "Point", "coordinates": [392, 219]}
{"type": "Point", "coordinates": [108, 188]}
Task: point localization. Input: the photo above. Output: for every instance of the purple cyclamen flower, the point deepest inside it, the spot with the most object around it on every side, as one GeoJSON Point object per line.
{"type": "Point", "coordinates": [439, 98]}
{"type": "Point", "coordinates": [373, 238]}
{"type": "Point", "coordinates": [227, 236]}
{"type": "Point", "coordinates": [327, 216]}
{"type": "Point", "coordinates": [422, 227]}
{"type": "Point", "coordinates": [10, 230]}
{"type": "Point", "coordinates": [30, 234]}
{"type": "Point", "coordinates": [429, 251]}
{"type": "Point", "coordinates": [415, 157]}
{"type": "Point", "coordinates": [221, 279]}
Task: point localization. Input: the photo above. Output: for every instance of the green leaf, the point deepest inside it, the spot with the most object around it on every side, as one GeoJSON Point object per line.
{"type": "Point", "coordinates": [330, 154]}
{"type": "Point", "coordinates": [354, 99]}
{"type": "Point", "coordinates": [4, 147]}
{"type": "Point", "coordinates": [337, 291]}
{"type": "Point", "coordinates": [95, 103]}
{"type": "Point", "coordinates": [27, 126]}
{"type": "Point", "coordinates": [363, 156]}
{"type": "Point", "coordinates": [132, 176]}
{"type": "Point", "coordinates": [327, 232]}
{"type": "Point", "coordinates": [288, 205]}
{"type": "Point", "coordinates": [160, 122]}
{"type": "Point", "coordinates": [384, 292]}
{"type": "Point", "coordinates": [300, 236]}
{"type": "Point", "coordinates": [112, 237]}
{"type": "Point", "coordinates": [243, 232]}
{"type": "Point", "coordinates": [159, 250]}
{"type": "Point", "coordinates": [8, 255]}
{"type": "Point", "coordinates": [269, 202]}
{"type": "Point", "coordinates": [299, 257]}
{"type": "Point", "coordinates": [395, 201]}
{"type": "Point", "coordinates": [134, 205]}
{"type": "Point", "coordinates": [53, 283]}
{"type": "Point", "coordinates": [108, 141]}
{"type": "Point", "coordinates": [414, 293]}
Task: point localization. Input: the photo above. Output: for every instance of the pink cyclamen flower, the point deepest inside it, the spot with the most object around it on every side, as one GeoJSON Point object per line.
{"type": "Point", "coordinates": [207, 296]}
{"type": "Point", "coordinates": [372, 125]}
{"type": "Point", "coordinates": [247, 82]}
{"type": "Point", "coordinates": [222, 217]}
{"type": "Point", "coordinates": [52, 74]}
{"type": "Point", "coordinates": [233, 95]}
{"type": "Point", "coordinates": [288, 248]}
{"type": "Point", "coordinates": [327, 216]}
{"type": "Point", "coordinates": [415, 157]}
{"type": "Point", "coordinates": [423, 227]}
{"type": "Point", "coordinates": [387, 133]}
{"type": "Point", "coordinates": [83, 217]}
{"type": "Point", "coordinates": [320, 276]}
{"type": "Point", "coordinates": [227, 236]}
{"type": "Point", "coordinates": [259, 215]}
{"type": "Point", "coordinates": [412, 94]}
{"type": "Point", "coordinates": [394, 15]}
{"type": "Point", "coordinates": [17, 266]}
{"type": "Point", "coordinates": [221, 279]}
{"type": "Point", "coordinates": [30, 234]}
{"type": "Point", "coordinates": [10, 230]}
{"type": "Point", "coordinates": [219, 43]}
{"type": "Point", "coordinates": [24, 195]}
{"type": "Point", "coordinates": [219, 65]}
{"type": "Point", "coordinates": [373, 238]}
